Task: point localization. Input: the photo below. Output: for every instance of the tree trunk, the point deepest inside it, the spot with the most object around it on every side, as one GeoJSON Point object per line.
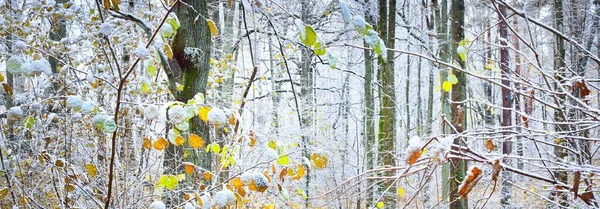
{"type": "Point", "coordinates": [370, 144]}
{"type": "Point", "coordinates": [387, 122]}
{"type": "Point", "coordinates": [190, 66]}
{"type": "Point", "coordinates": [459, 95]}
{"type": "Point", "coordinates": [559, 114]}
{"type": "Point", "coordinates": [507, 101]}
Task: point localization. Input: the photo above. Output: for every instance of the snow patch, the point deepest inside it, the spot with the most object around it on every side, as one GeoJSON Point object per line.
{"type": "Point", "coordinates": [177, 114]}
{"type": "Point", "coordinates": [107, 28]}
{"type": "Point", "coordinates": [141, 51]}
{"type": "Point", "coordinates": [217, 116]}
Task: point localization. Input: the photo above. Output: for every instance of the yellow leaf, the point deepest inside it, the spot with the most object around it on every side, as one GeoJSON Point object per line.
{"type": "Point", "coordinates": [380, 205]}
{"type": "Point", "coordinates": [179, 140]}
{"type": "Point", "coordinates": [161, 144]}
{"type": "Point", "coordinates": [106, 4]}
{"type": "Point", "coordinates": [213, 28]}
{"type": "Point", "coordinates": [319, 160]}
{"type": "Point", "coordinates": [196, 141]}
{"type": "Point", "coordinates": [91, 169]}
{"type": "Point", "coordinates": [272, 144]}
{"type": "Point", "coordinates": [147, 143]}
{"type": "Point", "coordinates": [447, 86]}
{"type": "Point", "coordinates": [237, 182]}
{"type": "Point", "coordinates": [168, 51]}
{"type": "Point", "coordinates": [3, 193]}
{"type": "Point", "coordinates": [269, 206]}
{"type": "Point", "coordinates": [188, 167]}
{"type": "Point", "coordinates": [203, 113]}
{"type": "Point", "coordinates": [70, 188]}
{"type": "Point", "coordinates": [1, 78]}
{"type": "Point", "coordinates": [216, 148]}
{"type": "Point", "coordinates": [232, 119]}
{"type": "Point", "coordinates": [198, 199]}
{"type": "Point", "coordinates": [557, 140]}
{"type": "Point", "coordinates": [300, 172]}
{"type": "Point", "coordinates": [207, 176]}
{"type": "Point", "coordinates": [115, 4]}
{"type": "Point", "coordinates": [401, 192]}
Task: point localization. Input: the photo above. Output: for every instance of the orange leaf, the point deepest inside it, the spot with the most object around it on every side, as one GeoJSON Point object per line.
{"type": "Point", "coordinates": [319, 160]}
{"type": "Point", "coordinates": [237, 182]}
{"type": "Point", "coordinates": [300, 172]}
{"type": "Point", "coordinates": [470, 181]}
{"type": "Point", "coordinates": [282, 174]}
{"type": "Point", "coordinates": [489, 144]}
{"type": "Point", "coordinates": [241, 191]}
{"type": "Point", "coordinates": [161, 144]}
{"type": "Point", "coordinates": [273, 169]}
{"type": "Point", "coordinates": [496, 170]}
{"type": "Point", "coordinates": [189, 168]}
{"type": "Point", "coordinates": [196, 141]}
{"type": "Point", "coordinates": [267, 175]}
{"type": "Point", "coordinates": [202, 187]}
{"type": "Point", "coordinates": [207, 176]}
{"type": "Point", "coordinates": [186, 196]}
{"type": "Point", "coordinates": [179, 140]}
{"type": "Point", "coordinates": [147, 143]}
{"type": "Point", "coordinates": [413, 156]}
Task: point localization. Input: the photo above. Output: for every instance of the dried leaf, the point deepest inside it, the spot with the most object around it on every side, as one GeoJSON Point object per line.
{"type": "Point", "coordinates": [241, 191]}
{"type": "Point", "coordinates": [282, 174]}
{"type": "Point", "coordinates": [115, 4]}
{"type": "Point", "coordinates": [496, 170]}
{"type": "Point", "coordinates": [413, 156]}
{"type": "Point", "coordinates": [3, 192]}
{"type": "Point", "coordinates": [106, 4]}
{"type": "Point", "coordinates": [576, 179]}
{"type": "Point", "coordinates": [7, 89]}
{"type": "Point", "coordinates": [470, 181]}
{"type": "Point", "coordinates": [489, 145]}
{"type": "Point", "coordinates": [525, 121]}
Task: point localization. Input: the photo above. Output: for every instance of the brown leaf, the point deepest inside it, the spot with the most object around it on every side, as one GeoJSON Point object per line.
{"type": "Point", "coordinates": [576, 179]}
{"type": "Point", "coordinates": [588, 196]}
{"type": "Point", "coordinates": [7, 89]}
{"type": "Point", "coordinates": [525, 121]}
{"type": "Point", "coordinates": [115, 4]}
{"type": "Point", "coordinates": [496, 170]}
{"type": "Point", "coordinates": [282, 174]}
{"type": "Point", "coordinates": [470, 181]}
{"type": "Point", "coordinates": [106, 4]}
{"type": "Point", "coordinates": [489, 145]}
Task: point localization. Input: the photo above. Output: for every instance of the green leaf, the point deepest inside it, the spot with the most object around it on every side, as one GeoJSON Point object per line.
{"type": "Point", "coordinates": [29, 122]}
{"type": "Point", "coordinates": [99, 120]}
{"type": "Point", "coordinates": [169, 182]}
{"type": "Point", "coordinates": [301, 28]}
{"type": "Point", "coordinates": [311, 36]}
{"type": "Point", "coordinates": [332, 61]}
{"type": "Point", "coordinates": [447, 86]}
{"type": "Point", "coordinates": [381, 50]}
{"type": "Point", "coordinates": [360, 24]}
{"type": "Point", "coordinates": [372, 38]}
{"type": "Point", "coordinates": [452, 78]}
{"type": "Point", "coordinates": [319, 51]}
{"type": "Point", "coordinates": [173, 22]}
{"type": "Point", "coordinates": [345, 12]}
{"type": "Point", "coordinates": [151, 69]}
{"type": "Point", "coordinates": [110, 125]}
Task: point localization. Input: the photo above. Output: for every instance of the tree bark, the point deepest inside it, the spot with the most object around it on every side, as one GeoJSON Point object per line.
{"type": "Point", "coordinates": [459, 95]}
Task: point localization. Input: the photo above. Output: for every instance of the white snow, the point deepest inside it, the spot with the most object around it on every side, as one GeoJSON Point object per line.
{"type": "Point", "coordinates": [36, 67]}
{"type": "Point", "coordinates": [223, 198]}
{"type": "Point", "coordinates": [141, 51]}
{"type": "Point", "coordinates": [271, 154]}
{"type": "Point", "coordinates": [217, 116]}
{"type": "Point", "coordinates": [151, 112]}
{"type": "Point", "coordinates": [247, 177]}
{"type": "Point", "coordinates": [87, 107]}
{"type": "Point", "coordinates": [177, 114]}
{"type": "Point", "coordinates": [74, 102]}
{"type": "Point", "coordinates": [157, 205]}
{"type": "Point", "coordinates": [107, 28]}
{"type": "Point", "coordinates": [15, 113]}
{"type": "Point", "coordinates": [260, 180]}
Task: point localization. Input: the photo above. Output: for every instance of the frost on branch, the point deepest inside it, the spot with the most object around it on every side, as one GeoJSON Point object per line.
{"type": "Point", "coordinates": [473, 176]}
{"type": "Point", "coordinates": [442, 148]}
